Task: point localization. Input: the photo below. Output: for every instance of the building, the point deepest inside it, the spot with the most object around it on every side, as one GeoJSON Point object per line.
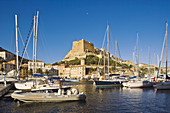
{"type": "Point", "coordinates": [53, 71]}
{"type": "Point", "coordinates": [67, 72]}
{"type": "Point", "coordinates": [48, 69]}
{"type": "Point", "coordinates": [77, 71]}
{"type": "Point", "coordinates": [6, 55]}
{"type": "Point", "coordinates": [23, 72]}
{"type": "Point", "coordinates": [60, 69]}
{"type": "Point", "coordinates": [79, 49]}
{"type": "Point", "coordinates": [5, 67]}
{"type": "Point", "coordinates": [39, 65]}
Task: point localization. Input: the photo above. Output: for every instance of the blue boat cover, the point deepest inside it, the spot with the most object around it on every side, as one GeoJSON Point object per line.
{"type": "Point", "coordinates": [58, 78]}
{"type": "Point", "coordinates": [40, 75]}
{"type": "Point", "coordinates": [132, 77]}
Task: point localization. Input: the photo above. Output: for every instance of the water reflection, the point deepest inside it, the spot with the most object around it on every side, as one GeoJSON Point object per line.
{"type": "Point", "coordinates": [49, 107]}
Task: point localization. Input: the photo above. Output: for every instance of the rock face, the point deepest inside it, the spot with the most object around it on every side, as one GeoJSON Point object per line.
{"type": "Point", "coordinates": [79, 49]}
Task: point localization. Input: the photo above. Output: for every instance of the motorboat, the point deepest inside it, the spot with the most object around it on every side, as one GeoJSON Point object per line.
{"type": "Point", "coordinates": [49, 95]}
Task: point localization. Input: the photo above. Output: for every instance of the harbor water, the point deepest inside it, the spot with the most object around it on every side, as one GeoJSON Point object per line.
{"type": "Point", "coordinates": [100, 100]}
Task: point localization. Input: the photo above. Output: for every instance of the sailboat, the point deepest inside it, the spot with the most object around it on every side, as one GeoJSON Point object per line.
{"type": "Point", "coordinates": [39, 81]}
{"type": "Point", "coordinates": [106, 83]}
{"type": "Point", "coordinates": [44, 92]}
{"type": "Point", "coordinates": [137, 83]}
{"type": "Point", "coordinates": [165, 84]}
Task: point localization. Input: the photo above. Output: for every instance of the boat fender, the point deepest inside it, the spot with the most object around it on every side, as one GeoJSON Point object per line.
{"type": "Point", "coordinates": [62, 91]}
{"type": "Point", "coordinates": [68, 92]}
{"type": "Point", "coordinates": [59, 92]}
{"type": "Point", "coordinates": [74, 91]}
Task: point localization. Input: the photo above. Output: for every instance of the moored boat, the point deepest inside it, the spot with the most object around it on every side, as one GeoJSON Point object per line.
{"type": "Point", "coordinates": [138, 84]}
{"type": "Point", "coordinates": [39, 84]}
{"type": "Point", "coordinates": [163, 85]}
{"type": "Point", "coordinates": [107, 83]}
{"type": "Point", "coordinates": [50, 95]}
{"type": "Point", "coordinates": [110, 82]}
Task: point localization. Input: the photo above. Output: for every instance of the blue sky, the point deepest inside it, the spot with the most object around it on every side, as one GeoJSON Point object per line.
{"type": "Point", "coordinates": [64, 21]}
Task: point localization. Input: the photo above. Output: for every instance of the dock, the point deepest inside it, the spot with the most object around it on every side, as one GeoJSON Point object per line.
{"type": "Point", "coordinates": [5, 89]}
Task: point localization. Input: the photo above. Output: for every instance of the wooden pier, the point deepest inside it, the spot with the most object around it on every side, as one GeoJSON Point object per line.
{"type": "Point", "coordinates": [5, 89]}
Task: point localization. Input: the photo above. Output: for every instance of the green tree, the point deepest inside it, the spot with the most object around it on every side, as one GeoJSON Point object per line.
{"type": "Point", "coordinates": [39, 70]}
{"type": "Point", "coordinates": [30, 72]}
{"type": "Point", "coordinates": [46, 72]}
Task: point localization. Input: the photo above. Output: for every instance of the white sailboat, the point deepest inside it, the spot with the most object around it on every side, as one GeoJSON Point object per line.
{"type": "Point", "coordinates": [26, 84]}
{"type": "Point", "coordinates": [165, 84]}
{"type": "Point", "coordinates": [138, 83]}
{"type": "Point", "coordinates": [35, 83]}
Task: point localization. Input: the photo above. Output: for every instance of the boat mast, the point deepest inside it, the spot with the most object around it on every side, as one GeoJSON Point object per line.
{"type": "Point", "coordinates": [149, 62]}
{"type": "Point", "coordinates": [166, 48]}
{"type": "Point", "coordinates": [137, 57]}
{"type": "Point", "coordinates": [16, 33]}
{"type": "Point", "coordinates": [108, 46]}
{"type": "Point", "coordinates": [116, 56]}
{"type": "Point", "coordinates": [35, 28]}
{"type": "Point", "coordinates": [133, 61]}
{"type": "Point", "coordinates": [154, 62]}
{"type": "Point", "coordinates": [104, 62]}
{"type": "Point", "coordinates": [136, 67]}
{"type": "Point", "coordinates": [36, 41]}
{"type": "Point", "coordinates": [34, 48]}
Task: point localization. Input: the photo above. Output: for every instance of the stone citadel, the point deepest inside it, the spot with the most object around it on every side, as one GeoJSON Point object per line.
{"type": "Point", "coordinates": [82, 48]}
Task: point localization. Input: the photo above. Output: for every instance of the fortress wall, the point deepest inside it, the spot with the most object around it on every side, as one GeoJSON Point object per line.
{"type": "Point", "coordinates": [88, 46]}
{"type": "Point", "coordinates": [80, 48]}
{"type": "Point", "coordinates": [77, 47]}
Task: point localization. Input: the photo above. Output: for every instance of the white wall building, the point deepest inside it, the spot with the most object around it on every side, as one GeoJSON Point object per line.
{"type": "Point", "coordinates": [7, 55]}
{"type": "Point", "coordinates": [39, 65]}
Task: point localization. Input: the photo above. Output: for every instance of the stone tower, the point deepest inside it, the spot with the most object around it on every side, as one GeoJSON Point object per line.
{"type": "Point", "coordinates": [79, 49]}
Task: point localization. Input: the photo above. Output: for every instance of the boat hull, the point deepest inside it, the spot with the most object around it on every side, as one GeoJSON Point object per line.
{"type": "Point", "coordinates": [138, 84]}
{"type": "Point", "coordinates": [24, 86]}
{"type": "Point", "coordinates": [107, 83]}
{"type": "Point", "coordinates": [163, 86]}
{"type": "Point", "coordinates": [47, 97]}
